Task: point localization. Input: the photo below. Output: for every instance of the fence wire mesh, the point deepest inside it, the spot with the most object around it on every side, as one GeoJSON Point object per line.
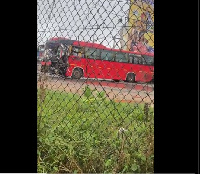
{"type": "Point", "coordinates": [95, 86]}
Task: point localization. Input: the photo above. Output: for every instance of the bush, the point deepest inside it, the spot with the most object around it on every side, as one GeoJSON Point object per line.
{"type": "Point", "coordinates": [90, 134]}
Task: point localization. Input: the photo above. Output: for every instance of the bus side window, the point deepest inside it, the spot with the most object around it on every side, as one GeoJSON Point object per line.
{"type": "Point", "coordinates": [121, 57]}
{"type": "Point", "coordinates": [87, 52]}
{"type": "Point", "coordinates": [143, 61]}
{"type": "Point", "coordinates": [135, 60]}
{"type": "Point", "coordinates": [82, 52]}
{"type": "Point", "coordinates": [140, 61]}
{"type": "Point", "coordinates": [92, 53]}
{"type": "Point", "coordinates": [73, 51]}
{"type": "Point", "coordinates": [107, 55]}
{"type": "Point", "coordinates": [104, 55]}
{"type": "Point", "coordinates": [76, 51]}
{"type": "Point", "coordinates": [130, 59]}
{"type": "Point", "coordinates": [97, 54]}
{"type": "Point", "coordinates": [149, 60]}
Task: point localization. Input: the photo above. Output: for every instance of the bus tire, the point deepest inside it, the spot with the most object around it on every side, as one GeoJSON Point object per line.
{"type": "Point", "coordinates": [130, 78]}
{"type": "Point", "coordinates": [77, 73]}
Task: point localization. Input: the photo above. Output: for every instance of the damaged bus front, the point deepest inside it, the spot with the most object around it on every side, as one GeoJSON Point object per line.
{"type": "Point", "coordinates": [55, 57]}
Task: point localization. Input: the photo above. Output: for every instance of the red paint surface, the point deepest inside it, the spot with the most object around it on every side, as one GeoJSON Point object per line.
{"type": "Point", "coordinates": [103, 69]}
{"type": "Point", "coordinates": [45, 63]}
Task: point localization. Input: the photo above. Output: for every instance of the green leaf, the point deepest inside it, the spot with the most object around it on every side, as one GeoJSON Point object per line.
{"type": "Point", "coordinates": [143, 158]}
{"type": "Point", "coordinates": [55, 168]}
{"type": "Point", "coordinates": [134, 167]}
{"type": "Point", "coordinates": [101, 94]}
{"type": "Point", "coordinates": [125, 168]}
{"type": "Point", "coordinates": [108, 163]}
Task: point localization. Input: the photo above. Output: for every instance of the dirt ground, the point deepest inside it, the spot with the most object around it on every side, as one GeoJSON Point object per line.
{"type": "Point", "coordinates": [117, 94]}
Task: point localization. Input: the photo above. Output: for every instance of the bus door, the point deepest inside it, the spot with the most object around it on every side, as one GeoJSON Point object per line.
{"type": "Point", "coordinates": [136, 66]}
{"type": "Point", "coordinates": [121, 67]}
{"type": "Point", "coordinates": [148, 67]}
{"type": "Point", "coordinates": [142, 73]}
{"type": "Point", "coordinates": [93, 63]}
{"type": "Point", "coordinates": [107, 65]}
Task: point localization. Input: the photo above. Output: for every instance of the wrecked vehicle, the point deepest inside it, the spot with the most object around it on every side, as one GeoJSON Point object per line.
{"type": "Point", "coordinates": [55, 56]}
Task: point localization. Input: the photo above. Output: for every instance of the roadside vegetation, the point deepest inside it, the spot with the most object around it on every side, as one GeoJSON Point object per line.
{"type": "Point", "coordinates": [91, 134]}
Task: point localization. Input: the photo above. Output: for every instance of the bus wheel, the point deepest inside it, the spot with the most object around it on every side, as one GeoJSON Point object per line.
{"type": "Point", "coordinates": [130, 78]}
{"type": "Point", "coordinates": [77, 73]}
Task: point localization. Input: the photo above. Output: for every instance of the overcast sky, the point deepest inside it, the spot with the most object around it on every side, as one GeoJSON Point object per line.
{"type": "Point", "coordinates": [67, 18]}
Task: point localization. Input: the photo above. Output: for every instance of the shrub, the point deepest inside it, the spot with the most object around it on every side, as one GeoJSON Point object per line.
{"type": "Point", "coordinates": [90, 134]}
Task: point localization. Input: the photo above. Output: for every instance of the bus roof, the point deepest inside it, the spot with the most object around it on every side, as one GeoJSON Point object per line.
{"type": "Point", "coordinates": [142, 53]}
{"type": "Point", "coordinates": [99, 46]}
{"type": "Point", "coordinates": [131, 52]}
{"type": "Point", "coordinates": [53, 42]}
{"type": "Point", "coordinates": [88, 44]}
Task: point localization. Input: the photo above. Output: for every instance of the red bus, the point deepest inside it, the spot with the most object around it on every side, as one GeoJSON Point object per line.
{"type": "Point", "coordinates": [91, 60]}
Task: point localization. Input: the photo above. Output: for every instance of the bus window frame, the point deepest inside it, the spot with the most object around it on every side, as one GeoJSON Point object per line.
{"type": "Point", "coordinates": [140, 59]}
{"type": "Point", "coordinates": [80, 52]}
{"type": "Point", "coordinates": [146, 63]}
{"type": "Point", "coordinates": [126, 56]}
{"type": "Point", "coordinates": [89, 57]}
{"type": "Point", "coordinates": [113, 55]}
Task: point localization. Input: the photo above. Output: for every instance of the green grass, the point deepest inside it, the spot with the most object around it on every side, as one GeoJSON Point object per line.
{"type": "Point", "coordinates": [80, 134]}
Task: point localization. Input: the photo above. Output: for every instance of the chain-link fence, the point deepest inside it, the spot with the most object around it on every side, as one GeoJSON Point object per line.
{"type": "Point", "coordinates": [95, 86]}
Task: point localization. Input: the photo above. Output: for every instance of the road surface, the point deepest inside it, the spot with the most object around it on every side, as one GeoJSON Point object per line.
{"type": "Point", "coordinates": [118, 91]}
